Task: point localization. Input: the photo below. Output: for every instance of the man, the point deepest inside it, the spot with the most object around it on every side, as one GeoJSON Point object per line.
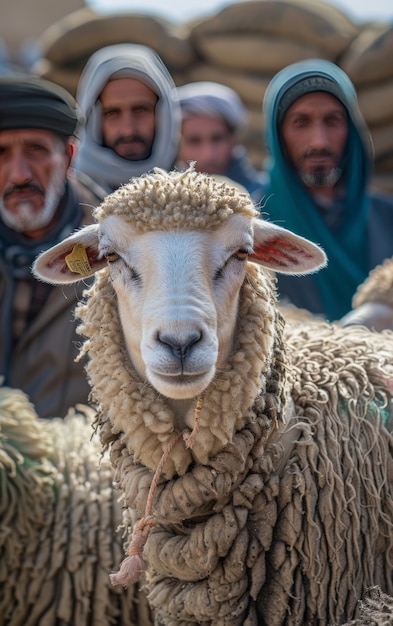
{"type": "Point", "coordinates": [321, 161]}
{"type": "Point", "coordinates": [39, 206]}
{"type": "Point", "coordinates": [131, 114]}
{"type": "Point", "coordinates": [213, 117]}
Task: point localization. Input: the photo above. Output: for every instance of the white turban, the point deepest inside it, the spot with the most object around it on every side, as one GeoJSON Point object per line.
{"type": "Point", "coordinates": [213, 99]}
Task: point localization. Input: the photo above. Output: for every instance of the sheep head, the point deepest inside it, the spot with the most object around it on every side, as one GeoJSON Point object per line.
{"type": "Point", "coordinates": [176, 247]}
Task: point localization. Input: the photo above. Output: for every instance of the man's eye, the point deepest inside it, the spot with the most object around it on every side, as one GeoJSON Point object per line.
{"type": "Point", "coordinates": [111, 257]}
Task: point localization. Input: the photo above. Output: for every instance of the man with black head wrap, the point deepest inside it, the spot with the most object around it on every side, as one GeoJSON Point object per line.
{"type": "Point", "coordinates": [40, 204]}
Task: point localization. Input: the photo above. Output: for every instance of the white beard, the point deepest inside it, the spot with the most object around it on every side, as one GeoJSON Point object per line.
{"type": "Point", "coordinates": [321, 178]}
{"type": "Point", "coordinates": [27, 218]}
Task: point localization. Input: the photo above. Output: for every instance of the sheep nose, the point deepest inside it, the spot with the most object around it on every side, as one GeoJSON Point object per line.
{"type": "Point", "coordinates": [180, 349]}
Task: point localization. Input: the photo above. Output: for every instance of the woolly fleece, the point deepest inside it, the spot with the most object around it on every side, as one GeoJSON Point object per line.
{"type": "Point", "coordinates": [59, 518]}
{"type": "Point", "coordinates": [253, 525]}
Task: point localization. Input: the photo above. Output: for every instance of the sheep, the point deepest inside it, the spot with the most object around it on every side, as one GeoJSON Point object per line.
{"type": "Point", "coordinates": [376, 609]}
{"type": "Point", "coordinates": [372, 304]}
{"type": "Point", "coordinates": [256, 473]}
{"type": "Point", "coordinates": [58, 518]}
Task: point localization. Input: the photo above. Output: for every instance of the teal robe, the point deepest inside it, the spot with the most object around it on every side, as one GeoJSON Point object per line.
{"type": "Point", "coordinates": [289, 204]}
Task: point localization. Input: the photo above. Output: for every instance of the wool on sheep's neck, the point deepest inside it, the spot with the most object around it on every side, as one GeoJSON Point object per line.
{"type": "Point", "coordinates": [214, 484]}
{"type": "Point", "coordinates": [224, 527]}
{"type": "Point", "coordinates": [130, 409]}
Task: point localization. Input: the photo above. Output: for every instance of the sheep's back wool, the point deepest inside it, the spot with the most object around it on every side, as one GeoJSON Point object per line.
{"type": "Point", "coordinates": [59, 519]}
{"type": "Point", "coordinates": [376, 609]}
{"type": "Point", "coordinates": [378, 287]}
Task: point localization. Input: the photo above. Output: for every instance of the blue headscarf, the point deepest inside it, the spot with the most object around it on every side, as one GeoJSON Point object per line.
{"type": "Point", "coordinates": [290, 204]}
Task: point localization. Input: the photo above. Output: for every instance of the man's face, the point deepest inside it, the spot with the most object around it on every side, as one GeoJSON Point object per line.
{"type": "Point", "coordinates": [128, 118]}
{"type": "Point", "coordinates": [314, 133]}
{"type": "Point", "coordinates": [208, 141]}
{"type": "Point", "coordinates": [33, 169]}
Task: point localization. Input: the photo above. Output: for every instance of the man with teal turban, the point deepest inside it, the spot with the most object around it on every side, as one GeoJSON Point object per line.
{"type": "Point", "coordinates": [321, 159]}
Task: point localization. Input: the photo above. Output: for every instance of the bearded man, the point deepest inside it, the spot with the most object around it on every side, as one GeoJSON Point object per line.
{"type": "Point", "coordinates": [40, 204]}
{"type": "Point", "coordinates": [130, 116]}
{"type": "Point", "coordinates": [320, 167]}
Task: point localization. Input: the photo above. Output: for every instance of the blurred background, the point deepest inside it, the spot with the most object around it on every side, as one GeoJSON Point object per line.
{"type": "Point", "coordinates": [241, 44]}
{"type": "Point", "coordinates": [182, 10]}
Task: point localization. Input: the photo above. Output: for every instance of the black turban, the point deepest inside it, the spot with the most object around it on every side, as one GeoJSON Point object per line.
{"type": "Point", "coordinates": [32, 102]}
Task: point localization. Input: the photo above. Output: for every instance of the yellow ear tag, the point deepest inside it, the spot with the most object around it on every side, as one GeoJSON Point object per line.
{"type": "Point", "coordinates": [77, 261]}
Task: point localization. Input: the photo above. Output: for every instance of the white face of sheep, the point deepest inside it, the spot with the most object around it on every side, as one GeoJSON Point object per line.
{"type": "Point", "coordinates": [178, 291]}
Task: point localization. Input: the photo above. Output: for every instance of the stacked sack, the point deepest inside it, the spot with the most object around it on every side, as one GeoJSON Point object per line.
{"type": "Point", "coordinates": [243, 46]}
{"type": "Point", "coordinates": [246, 43]}
{"type": "Point", "coordinates": [368, 61]}
{"type": "Point", "coordinates": [66, 45]}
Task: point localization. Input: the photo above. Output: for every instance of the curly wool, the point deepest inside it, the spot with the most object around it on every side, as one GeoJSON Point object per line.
{"type": "Point", "coordinates": [237, 487]}
{"type": "Point", "coordinates": [378, 287]}
{"type": "Point", "coordinates": [194, 566]}
{"type": "Point", "coordinates": [59, 518]}
{"type": "Point", "coordinates": [255, 524]}
{"type": "Point", "coordinates": [313, 537]}
{"type": "Point", "coordinates": [376, 609]}
{"type": "Point", "coordinates": [214, 478]}
{"type": "Point", "coordinates": [182, 200]}
{"type": "Point", "coordinates": [132, 410]}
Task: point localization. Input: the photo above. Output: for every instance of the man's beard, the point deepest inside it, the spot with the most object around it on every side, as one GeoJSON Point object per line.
{"type": "Point", "coordinates": [320, 178]}
{"type": "Point", "coordinates": [131, 154]}
{"type": "Point", "coordinates": [27, 218]}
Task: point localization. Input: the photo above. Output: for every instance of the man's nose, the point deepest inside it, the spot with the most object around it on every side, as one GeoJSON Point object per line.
{"type": "Point", "coordinates": [319, 137]}
{"type": "Point", "coordinates": [19, 169]}
{"type": "Point", "coordinates": [129, 124]}
{"type": "Point", "coordinates": [208, 150]}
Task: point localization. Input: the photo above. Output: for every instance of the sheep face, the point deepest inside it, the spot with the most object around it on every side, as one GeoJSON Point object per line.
{"type": "Point", "coordinates": [178, 288]}
{"type": "Point", "coordinates": [172, 288]}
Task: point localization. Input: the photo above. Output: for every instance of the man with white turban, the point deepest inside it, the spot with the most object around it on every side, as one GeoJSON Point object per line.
{"type": "Point", "coordinates": [213, 118]}
{"type": "Point", "coordinates": [127, 99]}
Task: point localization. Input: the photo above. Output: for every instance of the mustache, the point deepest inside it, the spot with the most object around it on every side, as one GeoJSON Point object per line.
{"type": "Point", "coordinates": [134, 138]}
{"type": "Point", "coordinates": [25, 187]}
{"type": "Point", "coordinates": [319, 152]}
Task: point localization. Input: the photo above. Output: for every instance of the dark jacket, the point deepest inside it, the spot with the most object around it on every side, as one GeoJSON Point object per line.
{"type": "Point", "coordinates": [303, 291]}
{"type": "Point", "coordinates": [42, 362]}
{"type": "Point", "coordinates": [241, 171]}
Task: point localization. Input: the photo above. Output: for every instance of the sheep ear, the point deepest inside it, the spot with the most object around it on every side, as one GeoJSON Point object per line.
{"type": "Point", "coordinates": [74, 259]}
{"type": "Point", "coordinates": [282, 251]}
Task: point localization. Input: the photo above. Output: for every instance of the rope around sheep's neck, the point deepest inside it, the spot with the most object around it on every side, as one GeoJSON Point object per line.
{"type": "Point", "coordinates": [133, 565]}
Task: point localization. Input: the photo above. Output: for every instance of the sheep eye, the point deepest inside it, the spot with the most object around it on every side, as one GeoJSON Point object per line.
{"type": "Point", "coordinates": [111, 257]}
{"type": "Point", "coordinates": [241, 255]}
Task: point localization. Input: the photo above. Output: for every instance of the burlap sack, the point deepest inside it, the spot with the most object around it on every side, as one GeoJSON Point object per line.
{"type": "Point", "coordinates": [254, 52]}
{"type": "Point", "coordinates": [383, 173]}
{"type": "Point", "coordinates": [250, 86]}
{"type": "Point", "coordinates": [376, 101]}
{"type": "Point", "coordinates": [66, 77]}
{"type": "Point", "coordinates": [369, 57]}
{"type": "Point", "coordinates": [83, 32]}
{"type": "Point", "coordinates": [384, 165]}
{"type": "Point", "coordinates": [382, 183]}
{"type": "Point", "coordinates": [383, 139]}
{"type": "Point", "coordinates": [255, 124]}
{"type": "Point", "coordinates": [314, 23]}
